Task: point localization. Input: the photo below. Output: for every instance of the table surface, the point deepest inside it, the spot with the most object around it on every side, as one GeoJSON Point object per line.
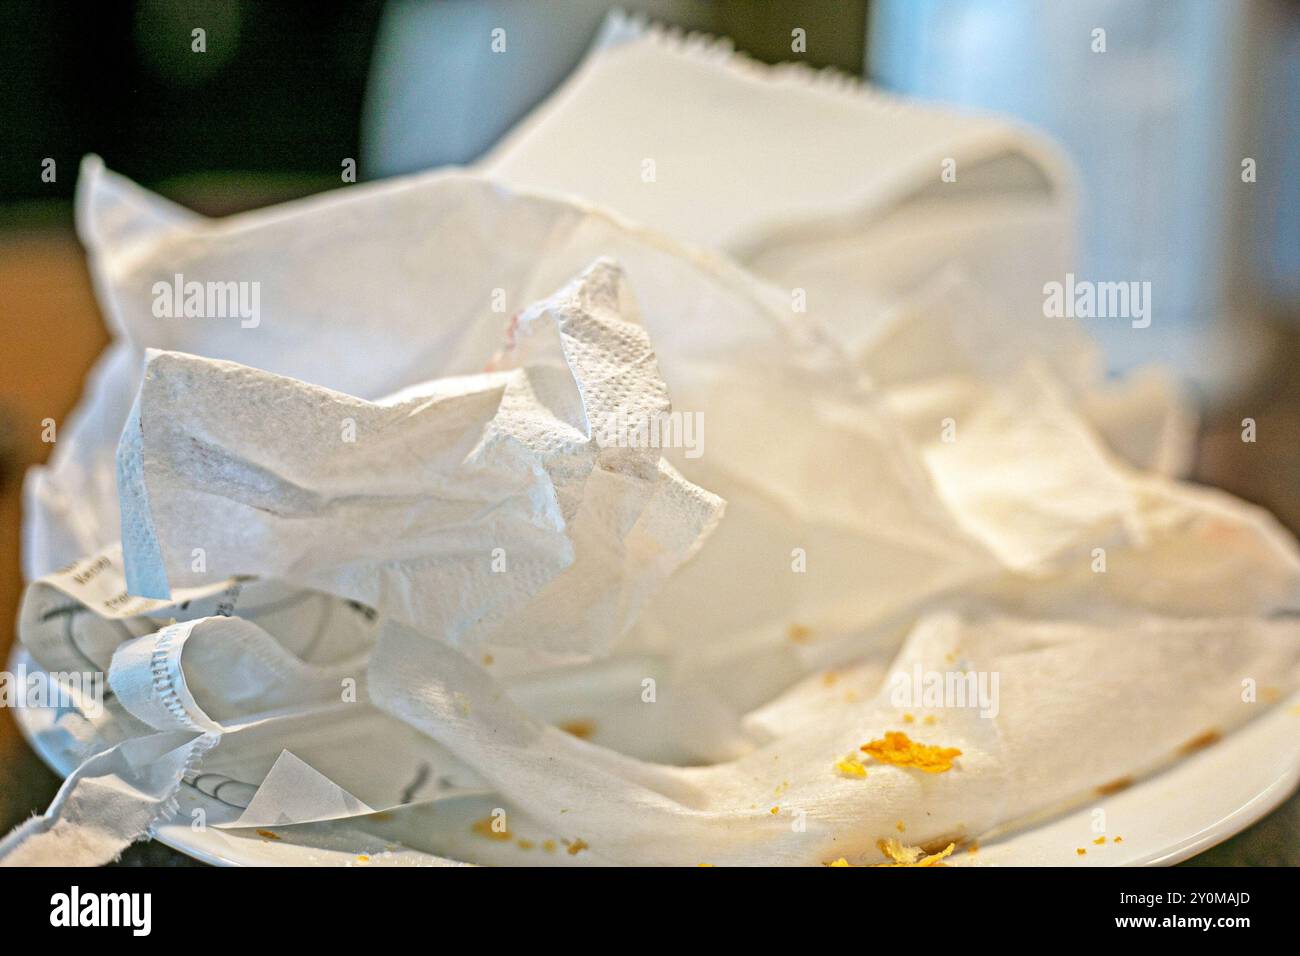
{"type": "Point", "coordinates": [54, 333]}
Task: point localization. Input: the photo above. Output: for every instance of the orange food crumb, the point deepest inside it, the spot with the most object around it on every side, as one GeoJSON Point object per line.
{"type": "Point", "coordinates": [899, 827]}
{"type": "Point", "coordinates": [525, 844]}
{"type": "Point", "coordinates": [1081, 851]}
{"type": "Point", "coordinates": [1119, 839]}
{"type": "Point", "coordinates": [267, 834]}
{"type": "Point", "coordinates": [548, 846]}
{"type": "Point", "coordinates": [362, 858]}
{"type": "Point", "coordinates": [487, 660]}
{"type": "Point", "coordinates": [798, 633]}
{"type": "Point", "coordinates": [850, 766]}
{"type": "Point", "coordinates": [973, 848]}
{"type": "Point", "coordinates": [1200, 742]}
{"type": "Point", "coordinates": [484, 829]}
{"type": "Point", "coordinates": [582, 729]}
{"type": "Point", "coordinates": [1115, 786]}
{"type": "Point", "coordinates": [900, 750]}
{"type": "Point", "coordinates": [577, 846]}
{"type": "Point", "coordinates": [900, 855]}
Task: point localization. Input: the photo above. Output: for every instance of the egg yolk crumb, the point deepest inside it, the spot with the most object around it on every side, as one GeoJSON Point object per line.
{"type": "Point", "coordinates": [901, 855]}
{"type": "Point", "coordinates": [582, 729]}
{"type": "Point", "coordinates": [900, 750]}
{"type": "Point", "coordinates": [484, 829]}
{"type": "Point", "coordinates": [850, 766]}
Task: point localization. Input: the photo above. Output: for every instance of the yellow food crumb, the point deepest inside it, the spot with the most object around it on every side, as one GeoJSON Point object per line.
{"type": "Point", "coordinates": [798, 633]}
{"type": "Point", "coordinates": [900, 750]}
{"type": "Point", "coordinates": [1115, 786]}
{"type": "Point", "coordinates": [901, 855]}
{"type": "Point", "coordinates": [582, 729]}
{"type": "Point", "coordinates": [909, 719]}
{"type": "Point", "coordinates": [1119, 839]}
{"type": "Point", "coordinates": [896, 851]}
{"type": "Point", "coordinates": [850, 766]}
{"type": "Point", "coordinates": [577, 846]}
{"type": "Point", "coordinates": [1099, 841]}
{"type": "Point", "coordinates": [484, 829]}
{"type": "Point", "coordinates": [704, 864]}
{"type": "Point", "coordinates": [525, 844]}
{"type": "Point", "coordinates": [775, 810]}
{"type": "Point", "coordinates": [267, 834]}
{"type": "Point", "coordinates": [1081, 851]}
{"type": "Point", "coordinates": [548, 846]}
{"type": "Point", "coordinates": [899, 827]}
{"type": "Point", "coordinates": [931, 720]}
{"type": "Point", "coordinates": [829, 679]}
{"type": "Point", "coordinates": [362, 858]}
{"type": "Point", "coordinates": [840, 862]}
{"type": "Point", "coordinates": [1201, 741]}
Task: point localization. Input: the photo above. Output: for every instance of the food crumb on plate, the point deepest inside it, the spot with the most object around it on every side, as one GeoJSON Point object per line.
{"type": "Point", "coordinates": [851, 766]}
{"type": "Point", "coordinates": [900, 855]}
{"type": "Point", "coordinates": [582, 729]}
{"type": "Point", "coordinates": [484, 828]}
{"type": "Point", "coordinates": [900, 750]}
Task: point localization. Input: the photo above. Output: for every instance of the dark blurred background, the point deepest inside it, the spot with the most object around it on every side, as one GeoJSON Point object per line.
{"type": "Point", "coordinates": [285, 91]}
{"type": "Point", "coordinates": [276, 95]}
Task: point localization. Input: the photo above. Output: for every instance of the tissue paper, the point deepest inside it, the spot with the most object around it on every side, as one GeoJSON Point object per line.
{"type": "Point", "coordinates": [487, 508]}
{"type": "Point", "coordinates": [719, 675]}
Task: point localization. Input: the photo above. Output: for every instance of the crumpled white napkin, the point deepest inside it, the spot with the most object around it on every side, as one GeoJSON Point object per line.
{"type": "Point", "coordinates": [683, 134]}
{"type": "Point", "coordinates": [921, 236]}
{"type": "Point", "coordinates": [857, 543]}
{"type": "Point", "coordinates": [489, 508]}
{"type": "Point", "coordinates": [482, 509]}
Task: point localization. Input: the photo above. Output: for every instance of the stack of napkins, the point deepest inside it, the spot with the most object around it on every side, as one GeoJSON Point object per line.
{"type": "Point", "coordinates": [459, 481]}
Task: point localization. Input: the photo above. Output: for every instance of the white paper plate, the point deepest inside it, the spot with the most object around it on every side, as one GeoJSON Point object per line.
{"type": "Point", "coordinates": [1163, 819]}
